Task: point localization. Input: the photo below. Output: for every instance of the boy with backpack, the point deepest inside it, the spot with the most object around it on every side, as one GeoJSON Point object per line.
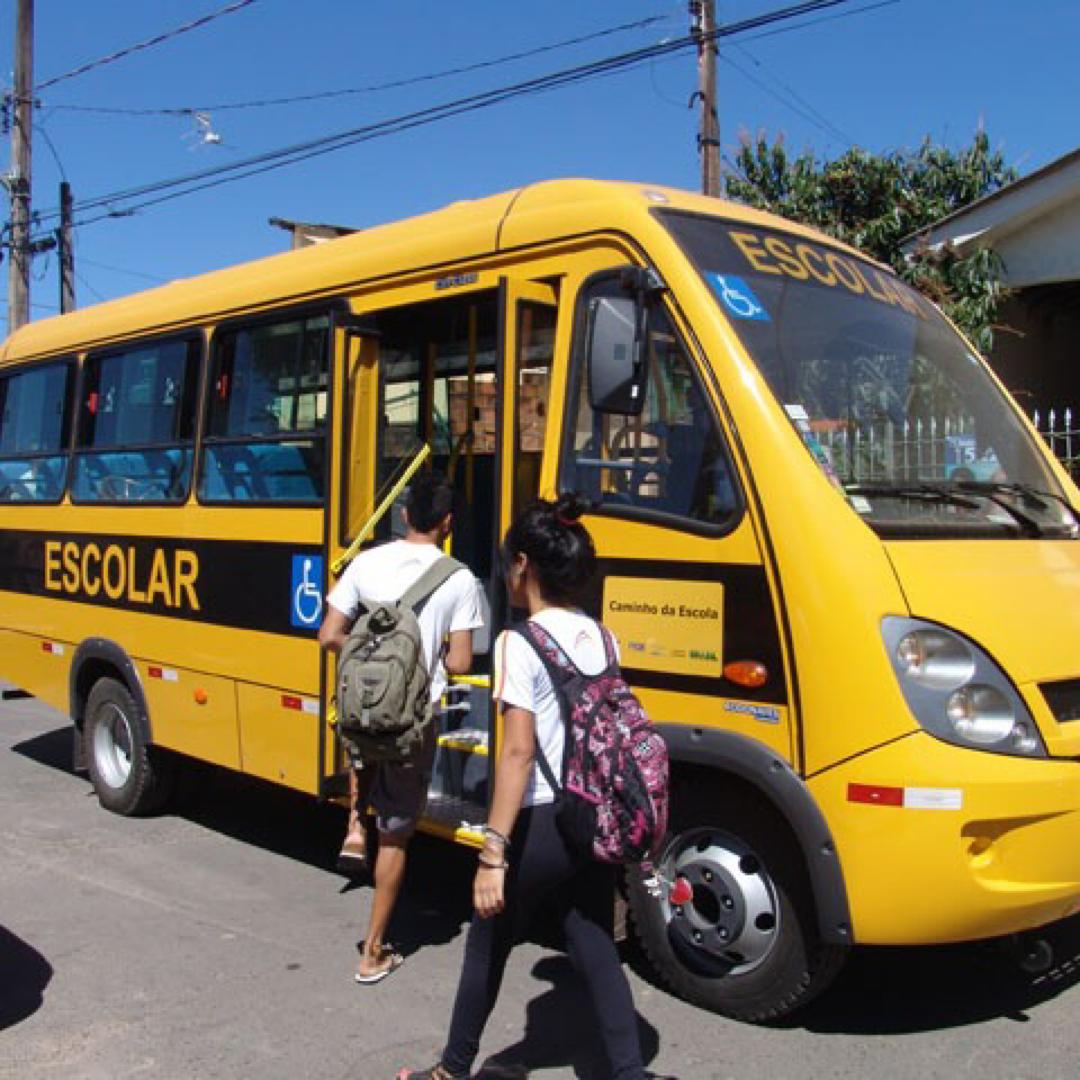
{"type": "Point", "coordinates": [446, 600]}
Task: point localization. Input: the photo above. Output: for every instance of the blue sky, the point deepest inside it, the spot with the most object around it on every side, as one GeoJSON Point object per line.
{"type": "Point", "coordinates": [879, 79]}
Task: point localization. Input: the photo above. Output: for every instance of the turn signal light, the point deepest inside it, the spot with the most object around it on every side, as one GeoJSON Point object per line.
{"type": "Point", "coordinates": [749, 673]}
{"type": "Point", "coordinates": [201, 696]}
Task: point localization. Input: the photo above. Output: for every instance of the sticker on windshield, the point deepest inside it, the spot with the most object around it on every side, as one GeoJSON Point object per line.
{"type": "Point", "coordinates": [737, 297]}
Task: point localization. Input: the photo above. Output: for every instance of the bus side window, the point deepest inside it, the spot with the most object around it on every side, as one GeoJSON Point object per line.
{"type": "Point", "coordinates": [34, 426]}
{"type": "Point", "coordinates": [670, 459]}
{"type": "Point", "coordinates": [266, 414]}
{"type": "Point", "coordinates": [535, 352]}
{"type": "Point", "coordinates": [137, 423]}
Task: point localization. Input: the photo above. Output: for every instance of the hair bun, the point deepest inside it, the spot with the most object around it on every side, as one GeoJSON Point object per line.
{"type": "Point", "coordinates": [569, 508]}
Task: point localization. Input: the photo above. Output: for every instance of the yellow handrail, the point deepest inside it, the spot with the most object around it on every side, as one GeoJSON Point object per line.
{"type": "Point", "coordinates": [349, 553]}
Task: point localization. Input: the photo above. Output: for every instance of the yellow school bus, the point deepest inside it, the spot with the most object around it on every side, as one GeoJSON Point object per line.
{"type": "Point", "coordinates": [843, 570]}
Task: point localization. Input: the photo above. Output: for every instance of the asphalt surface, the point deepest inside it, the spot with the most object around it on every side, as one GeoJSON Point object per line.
{"type": "Point", "coordinates": [216, 941]}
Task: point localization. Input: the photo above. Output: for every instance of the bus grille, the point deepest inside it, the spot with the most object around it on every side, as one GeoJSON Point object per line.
{"type": "Point", "coordinates": [1063, 699]}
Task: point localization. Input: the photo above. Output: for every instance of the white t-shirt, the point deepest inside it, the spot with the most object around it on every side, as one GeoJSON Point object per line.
{"type": "Point", "coordinates": [384, 573]}
{"type": "Point", "coordinates": [522, 680]}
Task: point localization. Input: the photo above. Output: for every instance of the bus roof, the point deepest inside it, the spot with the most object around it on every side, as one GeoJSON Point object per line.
{"type": "Point", "coordinates": [457, 232]}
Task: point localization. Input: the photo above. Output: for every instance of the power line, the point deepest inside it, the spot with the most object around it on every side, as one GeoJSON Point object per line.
{"type": "Point", "coordinates": [789, 97]}
{"type": "Point", "coordinates": [299, 152]}
{"type": "Point", "coordinates": [395, 84]}
{"type": "Point", "coordinates": [150, 42]}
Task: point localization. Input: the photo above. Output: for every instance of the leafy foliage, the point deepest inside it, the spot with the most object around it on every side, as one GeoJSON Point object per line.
{"type": "Point", "coordinates": [874, 201]}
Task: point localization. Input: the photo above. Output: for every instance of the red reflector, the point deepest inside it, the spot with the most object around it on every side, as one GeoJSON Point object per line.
{"type": "Point", "coordinates": [875, 794]}
{"type": "Point", "coordinates": [46, 646]}
{"type": "Point", "coordinates": [91, 403]}
{"type": "Point", "coordinates": [681, 892]}
{"type": "Point", "coordinates": [154, 672]}
{"type": "Point", "coordinates": [291, 702]}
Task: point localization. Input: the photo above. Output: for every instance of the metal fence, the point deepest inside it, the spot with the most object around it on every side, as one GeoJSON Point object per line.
{"type": "Point", "coordinates": [1061, 430]}
{"type": "Point", "coordinates": [942, 448]}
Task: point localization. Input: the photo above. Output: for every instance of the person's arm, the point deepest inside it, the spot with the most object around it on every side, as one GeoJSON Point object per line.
{"type": "Point", "coordinates": [334, 631]}
{"type": "Point", "coordinates": [458, 657]}
{"type": "Point", "coordinates": [512, 773]}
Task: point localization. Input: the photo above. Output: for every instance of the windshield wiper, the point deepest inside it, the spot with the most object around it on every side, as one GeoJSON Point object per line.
{"type": "Point", "coordinates": [1029, 496]}
{"type": "Point", "coordinates": [922, 492]}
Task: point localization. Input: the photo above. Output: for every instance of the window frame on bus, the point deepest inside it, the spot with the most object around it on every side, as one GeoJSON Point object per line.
{"type": "Point", "coordinates": [334, 310]}
{"type": "Point", "coordinates": [576, 385]}
{"type": "Point", "coordinates": [187, 337]}
{"type": "Point", "coordinates": [67, 422]}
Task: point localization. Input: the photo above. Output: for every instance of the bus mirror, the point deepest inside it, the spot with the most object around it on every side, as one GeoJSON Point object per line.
{"type": "Point", "coordinates": [616, 355]}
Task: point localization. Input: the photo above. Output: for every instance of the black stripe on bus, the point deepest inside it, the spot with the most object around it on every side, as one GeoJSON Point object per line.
{"type": "Point", "coordinates": [247, 584]}
{"type": "Point", "coordinates": [750, 627]}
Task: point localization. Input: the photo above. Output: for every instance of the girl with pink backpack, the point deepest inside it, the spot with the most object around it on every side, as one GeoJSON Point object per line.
{"type": "Point", "coordinates": [529, 857]}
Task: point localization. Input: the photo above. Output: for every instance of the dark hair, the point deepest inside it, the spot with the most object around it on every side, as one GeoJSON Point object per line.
{"type": "Point", "coordinates": [429, 500]}
{"type": "Point", "coordinates": [559, 548]}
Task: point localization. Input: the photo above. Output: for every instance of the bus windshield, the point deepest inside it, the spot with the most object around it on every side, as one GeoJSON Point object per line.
{"type": "Point", "coordinates": [892, 405]}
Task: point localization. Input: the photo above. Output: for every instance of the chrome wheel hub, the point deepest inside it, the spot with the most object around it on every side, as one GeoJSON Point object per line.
{"type": "Point", "coordinates": [112, 746]}
{"type": "Point", "coordinates": [719, 903]}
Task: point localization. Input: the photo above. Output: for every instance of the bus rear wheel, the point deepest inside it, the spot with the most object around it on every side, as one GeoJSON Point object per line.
{"type": "Point", "coordinates": [129, 775]}
{"type": "Point", "coordinates": [727, 921]}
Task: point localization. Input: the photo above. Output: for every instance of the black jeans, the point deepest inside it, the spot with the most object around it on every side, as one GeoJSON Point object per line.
{"type": "Point", "coordinates": [543, 871]}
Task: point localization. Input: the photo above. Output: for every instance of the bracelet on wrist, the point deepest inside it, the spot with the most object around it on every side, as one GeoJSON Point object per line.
{"type": "Point", "coordinates": [487, 864]}
{"type": "Point", "coordinates": [493, 836]}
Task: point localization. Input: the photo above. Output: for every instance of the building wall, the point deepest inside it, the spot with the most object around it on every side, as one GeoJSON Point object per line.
{"type": "Point", "coordinates": [1037, 347]}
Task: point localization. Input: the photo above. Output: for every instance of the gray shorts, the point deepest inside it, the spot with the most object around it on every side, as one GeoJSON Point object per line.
{"type": "Point", "coordinates": [399, 792]}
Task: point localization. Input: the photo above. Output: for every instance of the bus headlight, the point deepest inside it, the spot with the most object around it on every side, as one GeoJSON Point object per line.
{"type": "Point", "coordinates": [956, 691]}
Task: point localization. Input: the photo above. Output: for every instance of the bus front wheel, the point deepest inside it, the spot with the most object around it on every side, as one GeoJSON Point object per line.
{"type": "Point", "coordinates": [128, 774]}
{"type": "Point", "coordinates": [727, 921]}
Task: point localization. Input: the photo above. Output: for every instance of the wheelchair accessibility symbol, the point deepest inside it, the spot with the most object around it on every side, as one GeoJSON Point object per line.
{"type": "Point", "coordinates": [306, 591]}
{"type": "Point", "coordinates": [738, 297]}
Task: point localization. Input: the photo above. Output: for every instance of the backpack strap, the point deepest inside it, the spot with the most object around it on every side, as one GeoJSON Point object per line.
{"type": "Point", "coordinates": [548, 649]}
{"type": "Point", "coordinates": [433, 578]}
{"type": "Point", "coordinates": [609, 646]}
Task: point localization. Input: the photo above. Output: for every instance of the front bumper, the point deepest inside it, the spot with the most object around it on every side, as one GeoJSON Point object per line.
{"type": "Point", "coordinates": [990, 844]}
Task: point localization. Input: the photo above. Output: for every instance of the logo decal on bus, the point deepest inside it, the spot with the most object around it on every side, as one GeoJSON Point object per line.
{"type": "Point", "coordinates": [306, 591]}
{"type": "Point", "coordinates": [738, 297]}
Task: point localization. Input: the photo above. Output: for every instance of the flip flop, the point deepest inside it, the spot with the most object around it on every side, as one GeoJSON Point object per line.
{"type": "Point", "coordinates": [352, 860]}
{"type": "Point", "coordinates": [393, 958]}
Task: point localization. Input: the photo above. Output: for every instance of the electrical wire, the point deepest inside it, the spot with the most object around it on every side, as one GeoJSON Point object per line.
{"type": "Point", "coordinates": [787, 96]}
{"type": "Point", "coordinates": [150, 42]}
{"type": "Point", "coordinates": [279, 158]}
{"type": "Point", "coordinates": [372, 88]}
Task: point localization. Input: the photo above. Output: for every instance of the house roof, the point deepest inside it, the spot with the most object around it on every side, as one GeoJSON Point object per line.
{"type": "Point", "coordinates": [1033, 224]}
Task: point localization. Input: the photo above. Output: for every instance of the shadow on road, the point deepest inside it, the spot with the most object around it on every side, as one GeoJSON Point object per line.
{"type": "Point", "coordinates": [900, 991]}
{"type": "Point", "coordinates": [436, 900]}
{"type": "Point", "coordinates": [26, 973]}
{"type": "Point", "coordinates": [881, 991]}
{"type": "Point", "coordinates": [560, 1031]}
{"type": "Point", "coordinates": [53, 749]}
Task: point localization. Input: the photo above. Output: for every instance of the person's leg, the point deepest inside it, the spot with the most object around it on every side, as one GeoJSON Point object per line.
{"type": "Point", "coordinates": [353, 855]}
{"type": "Point", "coordinates": [592, 949]}
{"type": "Point", "coordinates": [397, 796]}
{"type": "Point", "coordinates": [538, 863]}
{"type": "Point", "coordinates": [389, 874]}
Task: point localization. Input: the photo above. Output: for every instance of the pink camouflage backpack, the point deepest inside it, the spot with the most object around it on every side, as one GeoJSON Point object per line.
{"type": "Point", "coordinates": [613, 795]}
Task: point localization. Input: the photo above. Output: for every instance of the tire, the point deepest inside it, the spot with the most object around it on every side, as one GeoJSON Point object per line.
{"type": "Point", "coordinates": [746, 943]}
{"type": "Point", "coordinates": [130, 776]}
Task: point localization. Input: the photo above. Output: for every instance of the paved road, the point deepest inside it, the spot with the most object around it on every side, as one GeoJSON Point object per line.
{"type": "Point", "coordinates": [215, 943]}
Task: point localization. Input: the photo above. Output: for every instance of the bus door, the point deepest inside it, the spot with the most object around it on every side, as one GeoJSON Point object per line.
{"type": "Point", "coordinates": [429, 384]}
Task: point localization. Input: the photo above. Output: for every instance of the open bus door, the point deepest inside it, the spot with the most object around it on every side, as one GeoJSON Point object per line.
{"type": "Point", "coordinates": [459, 385]}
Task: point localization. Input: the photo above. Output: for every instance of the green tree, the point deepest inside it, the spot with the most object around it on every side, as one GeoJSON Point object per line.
{"type": "Point", "coordinates": [874, 201]}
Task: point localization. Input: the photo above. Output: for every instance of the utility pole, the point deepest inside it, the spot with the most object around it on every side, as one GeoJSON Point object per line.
{"type": "Point", "coordinates": [66, 253]}
{"type": "Point", "coordinates": [18, 180]}
{"type": "Point", "coordinates": [703, 27]}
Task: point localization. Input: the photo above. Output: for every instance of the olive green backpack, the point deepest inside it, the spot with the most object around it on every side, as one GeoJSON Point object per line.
{"type": "Point", "coordinates": [383, 685]}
